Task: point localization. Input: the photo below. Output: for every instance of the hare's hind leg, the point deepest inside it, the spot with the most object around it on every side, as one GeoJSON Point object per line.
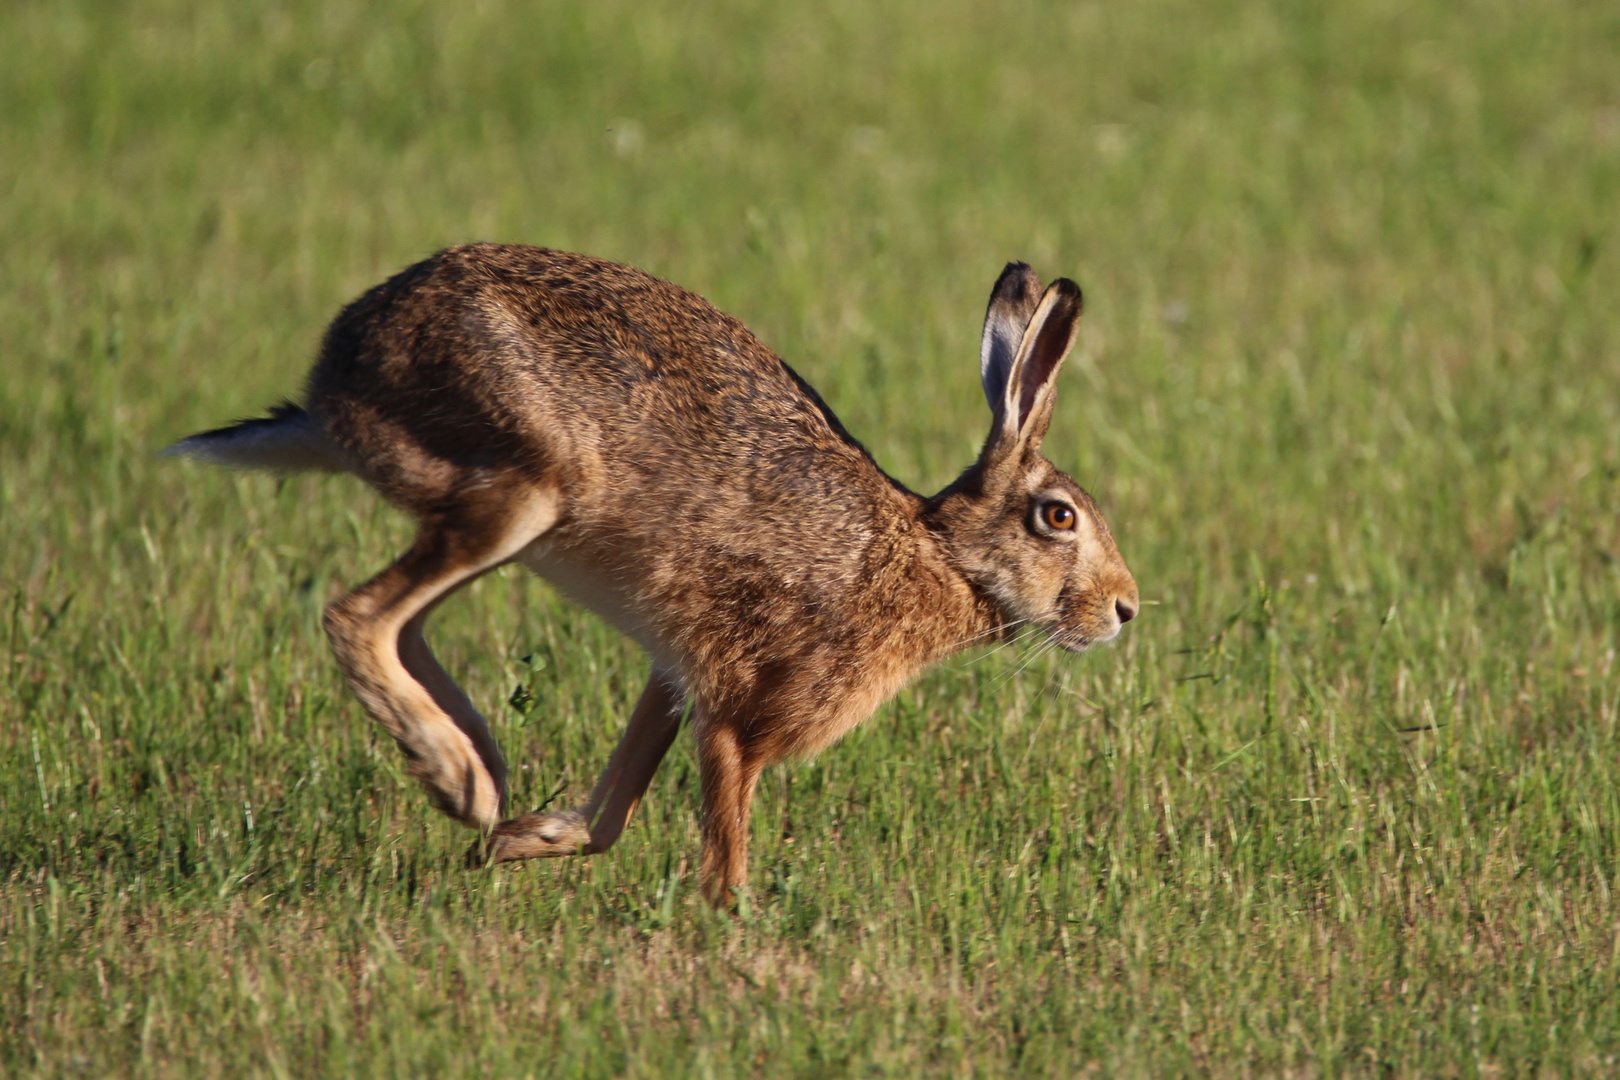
{"type": "Point", "coordinates": [594, 827]}
{"type": "Point", "coordinates": [376, 633]}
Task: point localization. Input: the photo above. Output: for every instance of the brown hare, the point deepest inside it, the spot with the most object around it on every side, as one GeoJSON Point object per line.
{"type": "Point", "coordinates": [648, 456]}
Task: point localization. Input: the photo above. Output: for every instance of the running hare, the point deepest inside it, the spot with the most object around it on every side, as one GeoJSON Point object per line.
{"type": "Point", "coordinates": [649, 457]}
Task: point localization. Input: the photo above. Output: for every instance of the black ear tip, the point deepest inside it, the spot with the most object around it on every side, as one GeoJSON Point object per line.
{"type": "Point", "coordinates": [1017, 284]}
{"type": "Point", "coordinates": [1068, 291]}
{"type": "Point", "coordinates": [1014, 273]}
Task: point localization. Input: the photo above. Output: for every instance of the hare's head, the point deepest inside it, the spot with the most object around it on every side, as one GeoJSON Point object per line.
{"type": "Point", "coordinates": [1024, 533]}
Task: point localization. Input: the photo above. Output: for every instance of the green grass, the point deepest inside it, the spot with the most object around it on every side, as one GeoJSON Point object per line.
{"type": "Point", "coordinates": [1344, 801]}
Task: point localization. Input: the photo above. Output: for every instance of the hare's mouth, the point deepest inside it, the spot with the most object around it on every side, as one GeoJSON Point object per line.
{"type": "Point", "coordinates": [1068, 640]}
{"type": "Point", "coordinates": [1073, 640]}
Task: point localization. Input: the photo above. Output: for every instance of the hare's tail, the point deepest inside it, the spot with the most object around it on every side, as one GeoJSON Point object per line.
{"type": "Point", "coordinates": [288, 440]}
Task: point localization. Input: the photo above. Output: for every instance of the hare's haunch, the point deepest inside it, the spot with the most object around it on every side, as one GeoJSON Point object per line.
{"type": "Point", "coordinates": [646, 454]}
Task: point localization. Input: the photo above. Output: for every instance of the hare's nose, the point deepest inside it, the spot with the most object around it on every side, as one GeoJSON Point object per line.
{"type": "Point", "coordinates": [1125, 610]}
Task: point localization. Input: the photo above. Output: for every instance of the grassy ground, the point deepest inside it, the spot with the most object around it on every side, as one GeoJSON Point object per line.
{"type": "Point", "coordinates": [1344, 801]}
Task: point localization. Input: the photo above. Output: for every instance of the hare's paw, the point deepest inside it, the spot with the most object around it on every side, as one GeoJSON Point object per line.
{"type": "Point", "coordinates": [538, 836]}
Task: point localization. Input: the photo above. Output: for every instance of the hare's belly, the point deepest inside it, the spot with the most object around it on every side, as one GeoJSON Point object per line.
{"type": "Point", "coordinates": [590, 586]}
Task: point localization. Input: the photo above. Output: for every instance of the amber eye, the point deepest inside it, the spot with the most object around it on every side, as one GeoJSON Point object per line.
{"type": "Point", "coordinates": [1059, 516]}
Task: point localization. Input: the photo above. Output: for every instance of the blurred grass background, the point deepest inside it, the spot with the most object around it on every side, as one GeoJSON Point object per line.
{"type": "Point", "coordinates": [1344, 801]}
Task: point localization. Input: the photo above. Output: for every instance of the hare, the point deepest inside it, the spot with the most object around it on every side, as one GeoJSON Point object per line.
{"type": "Point", "coordinates": [648, 456]}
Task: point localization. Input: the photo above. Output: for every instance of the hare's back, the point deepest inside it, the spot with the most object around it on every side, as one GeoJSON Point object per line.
{"type": "Point", "coordinates": [485, 354]}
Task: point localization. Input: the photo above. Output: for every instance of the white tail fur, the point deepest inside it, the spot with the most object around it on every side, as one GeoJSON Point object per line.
{"type": "Point", "coordinates": [288, 440]}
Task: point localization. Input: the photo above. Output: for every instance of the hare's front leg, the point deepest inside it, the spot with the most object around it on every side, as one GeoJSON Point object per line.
{"type": "Point", "coordinates": [730, 770]}
{"type": "Point", "coordinates": [594, 827]}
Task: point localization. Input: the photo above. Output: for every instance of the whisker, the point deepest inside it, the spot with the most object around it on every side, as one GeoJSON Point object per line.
{"type": "Point", "coordinates": [1039, 651]}
{"type": "Point", "coordinates": [1011, 624]}
{"type": "Point", "coordinates": [1023, 662]}
{"type": "Point", "coordinates": [992, 632]}
{"type": "Point", "coordinates": [1044, 647]}
{"type": "Point", "coordinates": [1001, 646]}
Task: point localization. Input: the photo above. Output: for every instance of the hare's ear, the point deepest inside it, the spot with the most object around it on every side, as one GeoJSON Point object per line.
{"type": "Point", "coordinates": [1012, 302]}
{"type": "Point", "coordinates": [1025, 406]}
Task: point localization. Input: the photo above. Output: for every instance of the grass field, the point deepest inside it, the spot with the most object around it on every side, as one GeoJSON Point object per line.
{"type": "Point", "coordinates": [1344, 801]}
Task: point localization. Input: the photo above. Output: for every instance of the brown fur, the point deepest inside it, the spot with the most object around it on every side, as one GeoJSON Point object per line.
{"type": "Point", "coordinates": [649, 456]}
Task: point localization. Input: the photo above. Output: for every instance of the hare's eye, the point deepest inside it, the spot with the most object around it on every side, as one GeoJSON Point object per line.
{"type": "Point", "coordinates": [1059, 516]}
